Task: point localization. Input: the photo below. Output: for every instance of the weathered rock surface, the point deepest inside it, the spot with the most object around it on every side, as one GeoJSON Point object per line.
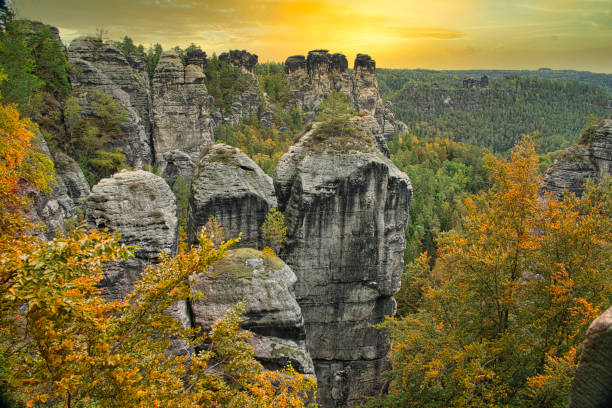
{"type": "Point", "coordinates": [125, 79]}
{"type": "Point", "coordinates": [248, 102]}
{"type": "Point", "coordinates": [313, 78]}
{"type": "Point", "coordinates": [53, 209]}
{"type": "Point", "coordinates": [592, 385]}
{"type": "Point", "coordinates": [141, 207]}
{"type": "Point", "coordinates": [72, 176]}
{"type": "Point", "coordinates": [346, 208]}
{"type": "Point", "coordinates": [271, 311]}
{"type": "Point", "coordinates": [231, 187]}
{"type": "Point", "coordinates": [181, 111]}
{"type": "Point", "coordinates": [241, 59]}
{"type": "Point", "coordinates": [178, 164]}
{"type": "Point", "coordinates": [581, 162]}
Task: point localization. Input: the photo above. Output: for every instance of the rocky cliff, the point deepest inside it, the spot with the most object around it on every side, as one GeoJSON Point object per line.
{"type": "Point", "coordinates": [589, 159]}
{"type": "Point", "coordinates": [312, 78]}
{"type": "Point", "coordinates": [181, 109]}
{"type": "Point", "coordinates": [346, 207]}
{"type": "Point", "coordinates": [104, 67]}
{"type": "Point", "coordinates": [231, 187]}
{"type": "Point", "coordinates": [592, 385]}
{"type": "Point", "coordinates": [54, 209]}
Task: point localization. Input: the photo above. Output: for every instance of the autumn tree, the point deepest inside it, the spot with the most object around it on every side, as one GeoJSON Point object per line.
{"type": "Point", "coordinates": [274, 229]}
{"type": "Point", "coordinates": [501, 319]}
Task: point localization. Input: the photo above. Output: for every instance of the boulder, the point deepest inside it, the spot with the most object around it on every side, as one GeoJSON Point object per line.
{"type": "Point", "coordinates": [592, 385]}
{"type": "Point", "coordinates": [141, 207]}
{"type": "Point", "coordinates": [266, 286]}
{"type": "Point", "coordinates": [346, 208]}
{"type": "Point", "coordinates": [228, 185]}
{"type": "Point", "coordinates": [589, 159]}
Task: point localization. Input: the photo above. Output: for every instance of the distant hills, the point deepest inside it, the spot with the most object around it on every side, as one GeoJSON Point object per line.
{"type": "Point", "coordinates": [495, 111]}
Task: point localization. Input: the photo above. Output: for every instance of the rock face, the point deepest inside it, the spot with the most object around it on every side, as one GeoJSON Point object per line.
{"type": "Point", "coordinates": [231, 187]}
{"type": "Point", "coordinates": [52, 210]}
{"type": "Point", "coordinates": [346, 208]}
{"type": "Point", "coordinates": [181, 109]}
{"type": "Point", "coordinates": [248, 102]}
{"type": "Point", "coordinates": [592, 385]}
{"type": "Point", "coordinates": [470, 83]}
{"type": "Point", "coordinates": [575, 165]}
{"type": "Point", "coordinates": [241, 59]}
{"type": "Point", "coordinates": [125, 79]}
{"type": "Point", "coordinates": [271, 311]}
{"type": "Point", "coordinates": [313, 78]}
{"type": "Point", "coordinates": [141, 207]}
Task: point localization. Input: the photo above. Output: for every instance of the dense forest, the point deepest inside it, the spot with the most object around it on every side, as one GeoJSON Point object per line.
{"type": "Point", "coordinates": [436, 104]}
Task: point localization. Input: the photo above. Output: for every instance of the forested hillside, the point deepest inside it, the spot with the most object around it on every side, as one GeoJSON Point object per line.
{"type": "Point", "coordinates": [437, 103]}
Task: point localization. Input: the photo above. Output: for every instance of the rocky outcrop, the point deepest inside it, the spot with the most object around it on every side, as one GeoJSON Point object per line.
{"type": "Point", "coordinates": [241, 59]}
{"type": "Point", "coordinates": [313, 78]}
{"type": "Point", "coordinates": [53, 209]}
{"type": "Point", "coordinates": [247, 103]}
{"type": "Point", "coordinates": [266, 286]}
{"type": "Point", "coordinates": [181, 111]}
{"type": "Point", "coordinates": [72, 177]}
{"type": "Point", "coordinates": [178, 164]}
{"type": "Point", "coordinates": [231, 187]}
{"type": "Point", "coordinates": [592, 385]}
{"type": "Point", "coordinates": [141, 207]}
{"type": "Point", "coordinates": [346, 208]}
{"type": "Point", "coordinates": [471, 83]}
{"type": "Point", "coordinates": [125, 79]}
{"type": "Point", "coordinates": [589, 159]}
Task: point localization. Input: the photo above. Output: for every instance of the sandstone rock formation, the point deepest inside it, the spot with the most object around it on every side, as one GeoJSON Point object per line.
{"type": "Point", "coordinates": [588, 159]}
{"type": "Point", "coordinates": [231, 187]}
{"type": "Point", "coordinates": [241, 59]}
{"type": "Point", "coordinates": [72, 176]}
{"type": "Point", "coordinates": [125, 79]}
{"type": "Point", "coordinates": [266, 286]}
{"type": "Point", "coordinates": [52, 210]}
{"type": "Point", "coordinates": [181, 110]}
{"type": "Point", "coordinates": [141, 207]}
{"type": "Point", "coordinates": [313, 78]}
{"type": "Point", "coordinates": [470, 83]}
{"type": "Point", "coordinates": [346, 208]}
{"type": "Point", "coordinates": [248, 102]}
{"type": "Point", "coordinates": [592, 385]}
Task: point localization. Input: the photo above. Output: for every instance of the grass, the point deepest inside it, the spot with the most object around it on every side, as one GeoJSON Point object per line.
{"type": "Point", "coordinates": [234, 264]}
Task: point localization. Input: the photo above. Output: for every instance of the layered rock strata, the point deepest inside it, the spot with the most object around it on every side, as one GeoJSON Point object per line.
{"type": "Point", "coordinates": [181, 110]}
{"type": "Point", "coordinates": [592, 385]}
{"type": "Point", "coordinates": [54, 209]}
{"type": "Point", "coordinates": [141, 207]}
{"type": "Point", "coordinates": [231, 187]}
{"type": "Point", "coordinates": [346, 208]}
{"type": "Point", "coordinates": [125, 80]}
{"type": "Point", "coordinates": [266, 286]}
{"type": "Point", "coordinates": [313, 78]}
{"type": "Point", "coordinates": [590, 159]}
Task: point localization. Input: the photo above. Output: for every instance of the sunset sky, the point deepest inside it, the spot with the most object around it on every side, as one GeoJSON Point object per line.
{"type": "Point", "coordinates": [436, 34]}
